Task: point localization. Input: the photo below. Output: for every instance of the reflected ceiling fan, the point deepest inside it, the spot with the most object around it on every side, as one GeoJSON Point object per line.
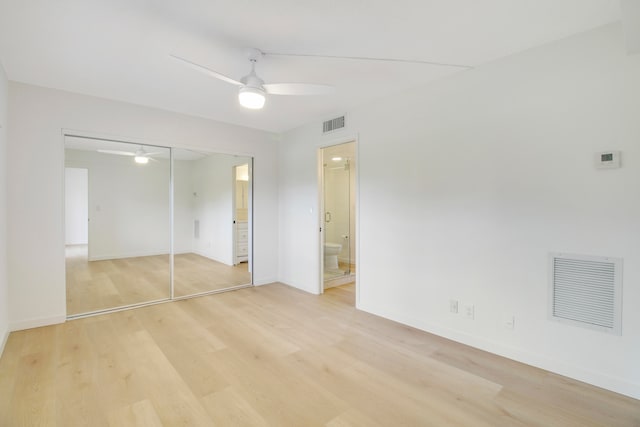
{"type": "Point", "coordinates": [139, 156]}
{"type": "Point", "coordinates": [253, 90]}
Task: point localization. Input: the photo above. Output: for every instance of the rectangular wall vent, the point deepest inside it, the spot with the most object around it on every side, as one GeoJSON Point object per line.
{"type": "Point", "coordinates": [333, 124]}
{"type": "Point", "coordinates": [586, 291]}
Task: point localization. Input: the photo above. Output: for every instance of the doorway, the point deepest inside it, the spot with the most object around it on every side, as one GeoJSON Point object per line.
{"type": "Point", "coordinates": [338, 221]}
{"type": "Point", "coordinates": [241, 214]}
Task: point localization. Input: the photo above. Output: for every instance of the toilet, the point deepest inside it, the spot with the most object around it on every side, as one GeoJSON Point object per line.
{"type": "Point", "coordinates": [331, 251]}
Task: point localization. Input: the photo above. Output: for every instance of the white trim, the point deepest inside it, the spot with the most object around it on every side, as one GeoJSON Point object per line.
{"type": "Point", "coordinates": [618, 385]}
{"type": "Point", "coordinates": [234, 219]}
{"type": "Point", "coordinates": [36, 323]}
{"type": "Point", "coordinates": [5, 337]}
{"type": "Point", "coordinates": [128, 255]}
{"type": "Point", "coordinates": [116, 309]}
{"type": "Point", "coordinates": [320, 215]}
{"type": "Point", "coordinates": [171, 224]}
{"type": "Point", "coordinates": [212, 292]}
{"type": "Point", "coordinates": [63, 225]}
{"type": "Point", "coordinates": [267, 281]}
{"type": "Point", "coordinates": [147, 141]}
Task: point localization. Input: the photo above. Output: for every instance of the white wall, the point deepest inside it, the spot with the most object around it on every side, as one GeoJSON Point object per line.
{"type": "Point", "coordinates": [76, 206]}
{"type": "Point", "coordinates": [183, 206]}
{"type": "Point", "coordinates": [4, 289]}
{"type": "Point", "coordinates": [129, 206]}
{"type": "Point", "coordinates": [213, 183]}
{"type": "Point", "coordinates": [36, 171]}
{"type": "Point", "coordinates": [204, 192]}
{"type": "Point", "coordinates": [467, 184]}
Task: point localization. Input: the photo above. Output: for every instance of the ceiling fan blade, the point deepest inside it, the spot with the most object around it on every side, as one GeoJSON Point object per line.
{"type": "Point", "coordinates": [119, 153]}
{"type": "Point", "coordinates": [206, 70]}
{"type": "Point", "coordinates": [298, 89]}
{"type": "Point", "coordinates": [368, 58]}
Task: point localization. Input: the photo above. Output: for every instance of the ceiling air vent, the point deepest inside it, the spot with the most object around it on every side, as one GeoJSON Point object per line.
{"type": "Point", "coordinates": [586, 291]}
{"type": "Point", "coordinates": [333, 124]}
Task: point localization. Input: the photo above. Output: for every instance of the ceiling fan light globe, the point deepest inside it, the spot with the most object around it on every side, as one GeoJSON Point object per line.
{"type": "Point", "coordinates": [143, 160]}
{"type": "Point", "coordinates": [251, 97]}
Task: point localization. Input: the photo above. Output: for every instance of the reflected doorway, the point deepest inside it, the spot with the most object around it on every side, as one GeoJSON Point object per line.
{"type": "Point", "coordinates": [241, 214]}
{"type": "Point", "coordinates": [338, 215]}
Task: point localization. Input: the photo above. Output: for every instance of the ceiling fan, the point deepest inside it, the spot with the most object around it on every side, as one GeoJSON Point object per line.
{"type": "Point", "coordinates": [139, 156]}
{"type": "Point", "coordinates": [253, 89]}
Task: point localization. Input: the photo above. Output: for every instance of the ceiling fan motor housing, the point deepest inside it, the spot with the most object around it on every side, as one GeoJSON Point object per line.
{"type": "Point", "coordinates": [251, 79]}
{"type": "Point", "coordinates": [252, 95]}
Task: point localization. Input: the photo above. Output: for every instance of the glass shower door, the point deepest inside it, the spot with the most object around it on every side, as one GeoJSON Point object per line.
{"type": "Point", "coordinates": [337, 221]}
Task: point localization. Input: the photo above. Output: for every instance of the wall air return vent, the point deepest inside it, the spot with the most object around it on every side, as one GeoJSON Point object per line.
{"type": "Point", "coordinates": [333, 124]}
{"type": "Point", "coordinates": [586, 291]}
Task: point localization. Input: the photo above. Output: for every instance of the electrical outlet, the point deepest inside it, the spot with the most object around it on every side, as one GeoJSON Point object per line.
{"type": "Point", "coordinates": [453, 306]}
{"type": "Point", "coordinates": [469, 311]}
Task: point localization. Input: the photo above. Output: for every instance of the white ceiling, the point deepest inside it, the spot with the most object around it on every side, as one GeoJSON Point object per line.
{"type": "Point", "coordinates": [119, 49]}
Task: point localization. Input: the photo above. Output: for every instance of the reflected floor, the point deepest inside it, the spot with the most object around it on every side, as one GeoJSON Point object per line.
{"type": "Point", "coordinates": [100, 285]}
{"type": "Point", "coordinates": [194, 274]}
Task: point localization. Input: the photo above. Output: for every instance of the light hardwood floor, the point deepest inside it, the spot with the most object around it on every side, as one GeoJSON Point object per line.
{"type": "Point", "coordinates": [99, 285]}
{"type": "Point", "coordinates": [275, 356]}
{"type": "Point", "coordinates": [194, 273]}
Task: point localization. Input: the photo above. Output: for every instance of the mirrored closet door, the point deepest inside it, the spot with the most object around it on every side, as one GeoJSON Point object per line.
{"type": "Point", "coordinates": [121, 202]}
{"type": "Point", "coordinates": [210, 223]}
{"type": "Point", "coordinates": [117, 224]}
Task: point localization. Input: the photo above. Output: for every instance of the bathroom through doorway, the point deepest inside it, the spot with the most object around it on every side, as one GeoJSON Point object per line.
{"type": "Point", "coordinates": [338, 219]}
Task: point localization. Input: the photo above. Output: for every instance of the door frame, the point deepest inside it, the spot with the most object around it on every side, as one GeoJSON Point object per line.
{"type": "Point", "coordinates": [320, 217]}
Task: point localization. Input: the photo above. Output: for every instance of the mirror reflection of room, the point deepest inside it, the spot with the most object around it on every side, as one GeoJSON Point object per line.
{"type": "Point", "coordinates": [118, 223]}
{"type": "Point", "coordinates": [117, 217]}
{"type": "Point", "coordinates": [211, 214]}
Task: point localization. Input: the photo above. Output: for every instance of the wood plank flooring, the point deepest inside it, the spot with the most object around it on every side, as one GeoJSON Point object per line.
{"type": "Point", "coordinates": [99, 285]}
{"type": "Point", "coordinates": [194, 273]}
{"type": "Point", "coordinates": [275, 356]}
